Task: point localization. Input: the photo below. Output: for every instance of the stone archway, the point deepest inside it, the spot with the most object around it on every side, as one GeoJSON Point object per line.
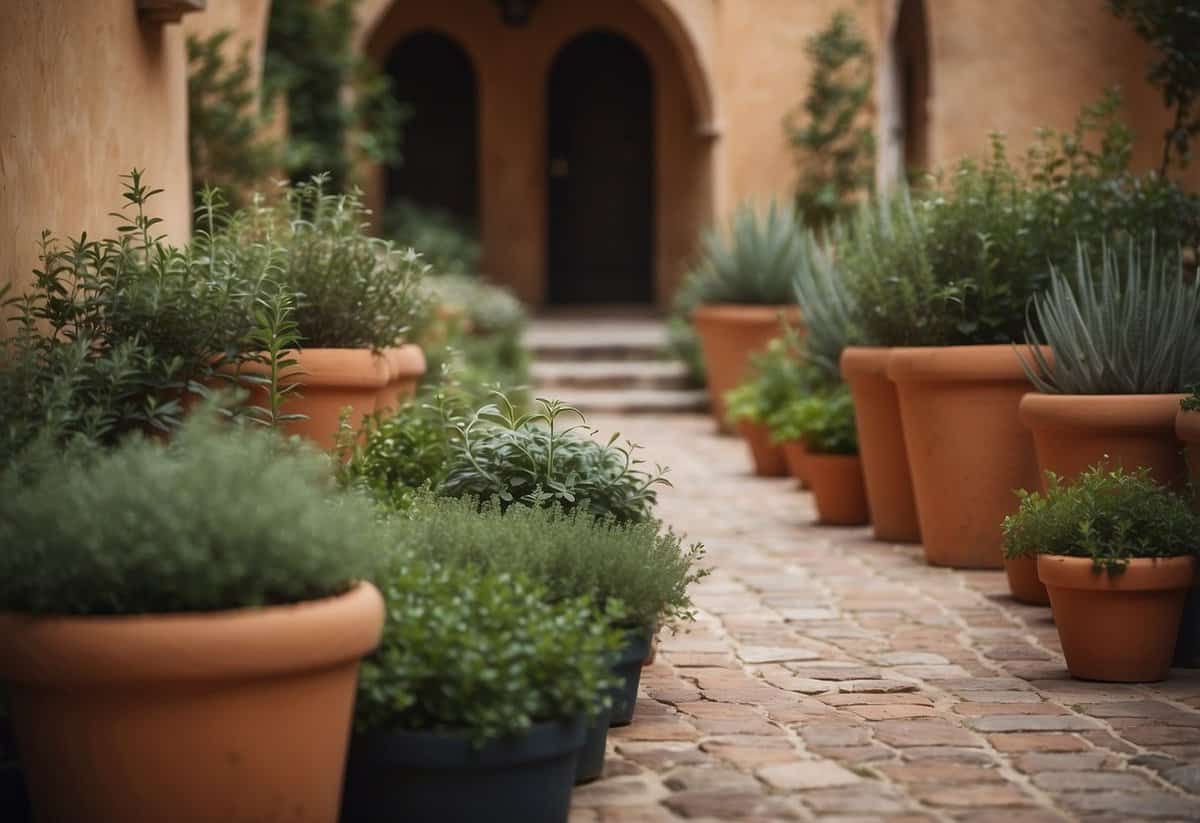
{"type": "Point", "coordinates": [905, 91]}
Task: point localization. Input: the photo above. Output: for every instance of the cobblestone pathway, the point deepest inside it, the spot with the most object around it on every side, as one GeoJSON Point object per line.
{"type": "Point", "coordinates": [834, 678]}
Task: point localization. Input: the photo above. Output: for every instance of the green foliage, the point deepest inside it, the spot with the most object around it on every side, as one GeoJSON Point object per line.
{"type": "Point", "coordinates": [683, 343]}
{"type": "Point", "coordinates": [823, 420]}
{"type": "Point", "coordinates": [537, 459]}
{"type": "Point", "coordinates": [831, 137]}
{"type": "Point", "coordinates": [113, 333]}
{"type": "Point", "coordinates": [225, 144]}
{"type": "Point", "coordinates": [446, 243]}
{"type": "Point", "coordinates": [1111, 516]}
{"type": "Point", "coordinates": [351, 290]}
{"type": "Point", "coordinates": [1173, 28]}
{"type": "Point", "coordinates": [778, 376]}
{"type": "Point", "coordinates": [340, 108]}
{"type": "Point", "coordinates": [827, 305]}
{"type": "Point", "coordinates": [1192, 401]}
{"type": "Point", "coordinates": [571, 554]}
{"type": "Point", "coordinates": [1131, 328]}
{"type": "Point", "coordinates": [480, 653]}
{"type": "Point", "coordinates": [222, 517]}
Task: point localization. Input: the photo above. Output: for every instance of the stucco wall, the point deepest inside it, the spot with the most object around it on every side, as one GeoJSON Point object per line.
{"type": "Point", "coordinates": [87, 92]}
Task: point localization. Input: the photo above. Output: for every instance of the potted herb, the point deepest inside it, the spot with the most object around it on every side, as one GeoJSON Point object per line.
{"type": "Point", "coordinates": [476, 704]}
{"type": "Point", "coordinates": [825, 422]}
{"type": "Point", "coordinates": [356, 297]}
{"type": "Point", "coordinates": [1125, 339]}
{"type": "Point", "coordinates": [634, 570]}
{"type": "Point", "coordinates": [174, 610]}
{"type": "Point", "coordinates": [777, 376]}
{"type": "Point", "coordinates": [739, 291]}
{"type": "Point", "coordinates": [1116, 552]}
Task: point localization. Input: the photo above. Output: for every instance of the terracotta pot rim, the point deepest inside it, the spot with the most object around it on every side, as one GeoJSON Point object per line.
{"type": "Point", "coordinates": [1112, 412]}
{"type": "Point", "coordinates": [958, 364]}
{"type": "Point", "coordinates": [745, 313]}
{"type": "Point", "coordinates": [404, 361]}
{"type": "Point", "coordinates": [1142, 573]}
{"type": "Point", "coordinates": [864, 360]}
{"type": "Point", "coordinates": [333, 368]}
{"type": "Point", "coordinates": [1187, 425]}
{"type": "Point", "coordinates": [247, 643]}
{"type": "Point", "coordinates": [830, 457]}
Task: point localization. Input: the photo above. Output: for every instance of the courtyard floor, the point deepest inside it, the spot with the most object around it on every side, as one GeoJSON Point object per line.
{"type": "Point", "coordinates": [830, 677]}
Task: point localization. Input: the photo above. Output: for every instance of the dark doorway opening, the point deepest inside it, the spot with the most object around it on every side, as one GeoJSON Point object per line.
{"type": "Point", "coordinates": [433, 76]}
{"type": "Point", "coordinates": [911, 50]}
{"type": "Point", "coordinates": [601, 172]}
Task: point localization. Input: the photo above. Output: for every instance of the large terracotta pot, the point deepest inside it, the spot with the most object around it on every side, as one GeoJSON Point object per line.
{"type": "Point", "coordinates": [1117, 627]}
{"type": "Point", "coordinates": [330, 380]}
{"type": "Point", "coordinates": [837, 487]}
{"type": "Point", "coordinates": [1072, 432]}
{"type": "Point", "coordinates": [767, 458]}
{"type": "Point", "coordinates": [881, 444]}
{"type": "Point", "coordinates": [1023, 580]}
{"type": "Point", "coordinates": [406, 366]}
{"type": "Point", "coordinates": [729, 335]}
{"type": "Point", "coordinates": [191, 718]}
{"type": "Point", "coordinates": [794, 453]}
{"type": "Point", "coordinates": [966, 447]}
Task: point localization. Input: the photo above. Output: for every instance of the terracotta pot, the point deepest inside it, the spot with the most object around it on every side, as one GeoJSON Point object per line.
{"type": "Point", "coordinates": [192, 718]}
{"type": "Point", "coordinates": [1023, 580]}
{"type": "Point", "coordinates": [1072, 432]}
{"type": "Point", "coordinates": [838, 489]}
{"type": "Point", "coordinates": [794, 453]}
{"type": "Point", "coordinates": [729, 335]}
{"type": "Point", "coordinates": [406, 366]}
{"type": "Point", "coordinates": [1117, 627]}
{"type": "Point", "coordinates": [768, 458]}
{"type": "Point", "coordinates": [330, 380]}
{"type": "Point", "coordinates": [881, 444]}
{"type": "Point", "coordinates": [966, 447]}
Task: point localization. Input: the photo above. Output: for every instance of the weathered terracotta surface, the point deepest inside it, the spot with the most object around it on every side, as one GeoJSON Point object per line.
{"type": "Point", "coordinates": [767, 458]}
{"type": "Point", "coordinates": [1023, 580]}
{"type": "Point", "coordinates": [881, 444]}
{"type": "Point", "coordinates": [192, 718]}
{"type": "Point", "coordinates": [794, 452]}
{"type": "Point", "coordinates": [1117, 627]}
{"type": "Point", "coordinates": [406, 366]}
{"type": "Point", "coordinates": [1074, 431]}
{"type": "Point", "coordinates": [837, 487]}
{"type": "Point", "coordinates": [966, 447]}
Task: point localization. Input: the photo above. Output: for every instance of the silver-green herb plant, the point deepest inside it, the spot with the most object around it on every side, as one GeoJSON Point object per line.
{"type": "Point", "coordinates": [826, 303]}
{"type": "Point", "coordinates": [1128, 326]}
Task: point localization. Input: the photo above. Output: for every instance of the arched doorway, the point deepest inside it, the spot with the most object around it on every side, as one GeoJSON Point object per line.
{"type": "Point", "coordinates": [600, 172]}
{"type": "Point", "coordinates": [912, 64]}
{"type": "Point", "coordinates": [434, 77]}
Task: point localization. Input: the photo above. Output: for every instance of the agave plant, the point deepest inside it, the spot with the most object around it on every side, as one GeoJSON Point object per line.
{"type": "Point", "coordinates": [753, 260]}
{"type": "Point", "coordinates": [1132, 327]}
{"type": "Point", "coordinates": [828, 307]}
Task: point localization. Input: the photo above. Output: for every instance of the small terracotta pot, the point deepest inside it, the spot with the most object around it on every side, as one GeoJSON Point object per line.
{"type": "Point", "coordinates": [768, 458]}
{"type": "Point", "coordinates": [1023, 580]}
{"type": "Point", "coordinates": [406, 366]}
{"type": "Point", "coordinates": [729, 335]}
{"type": "Point", "coordinates": [330, 380]}
{"type": "Point", "coordinates": [1117, 627]}
{"type": "Point", "coordinates": [838, 489]}
{"type": "Point", "coordinates": [192, 718]}
{"type": "Point", "coordinates": [881, 444]}
{"type": "Point", "coordinates": [966, 447]}
{"type": "Point", "coordinates": [1072, 432]}
{"type": "Point", "coordinates": [794, 453]}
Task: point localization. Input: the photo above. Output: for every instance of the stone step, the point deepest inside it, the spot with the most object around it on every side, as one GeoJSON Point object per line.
{"type": "Point", "coordinates": [594, 339]}
{"type": "Point", "coordinates": [610, 374]}
{"type": "Point", "coordinates": [632, 401]}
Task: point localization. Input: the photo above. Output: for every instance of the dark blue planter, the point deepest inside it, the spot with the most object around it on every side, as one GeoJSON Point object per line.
{"type": "Point", "coordinates": [394, 776]}
{"type": "Point", "coordinates": [591, 757]}
{"type": "Point", "coordinates": [628, 668]}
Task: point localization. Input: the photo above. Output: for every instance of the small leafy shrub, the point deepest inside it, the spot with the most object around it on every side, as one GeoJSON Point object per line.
{"type": "Point", "coordinates": [352, 290]}
{"type": "Point", "coordinates": [1130, 327]}
{"type": "Point", "coordinates": [223, 517]}
{"type": "Point", "coordinates": [827, 305]}
{"type": "Point", "coordinates": [482, 654]}
{"type": "Point", "coordinates": [1192, 402]}
{"type": "Point", "coordinates": [824, 421]}
{"type": "Point", "coordinates": [1109, 515]}
{"type": "Point", "coordinates": [535, 460]}
{"type": "Point", "coordinates": [571, 554]}
{"type": "Point", "coordinates": [446, 243]}
{"type": "Point", "coordinates": [778, 376]}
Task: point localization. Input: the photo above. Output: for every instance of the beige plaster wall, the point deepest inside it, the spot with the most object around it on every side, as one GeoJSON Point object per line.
{"type": "Point", "coordinates": [86, 93]}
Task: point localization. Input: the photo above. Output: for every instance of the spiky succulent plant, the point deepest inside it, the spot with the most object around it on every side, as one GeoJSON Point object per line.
{"type": "Point", "coordinates": [828, 307]}
{"type": "Point", "coordinates": [751, 260]}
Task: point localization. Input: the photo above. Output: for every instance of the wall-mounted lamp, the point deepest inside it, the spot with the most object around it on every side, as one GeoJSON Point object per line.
{"type": "Point", "coordinates": [515, 12]}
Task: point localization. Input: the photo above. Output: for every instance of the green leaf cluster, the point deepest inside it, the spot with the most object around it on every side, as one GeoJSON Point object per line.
{"type": "Point", "coordinates": [1109, 515]}
{"type": "Point", "coordinates": [222, 517]}
{"type": "Point", "coordinates": [537, 459]}
{"type": "Point", "coordinates": [778, 376]}
{"type": "Point", "coordinates": [636, 566]}
{"type": "Point", "coordinates": [828, 306]}
{"type": "Point", "coordinates": [824, 420]}
{"type": "Point", "coordinates": [1192, 401]}
{"type": "Point", "coordinates": [1130, 326]}
{"type": "Point", "coordinates": [448, 244]}
{"type": "Point", "coordinates": [481, 653]}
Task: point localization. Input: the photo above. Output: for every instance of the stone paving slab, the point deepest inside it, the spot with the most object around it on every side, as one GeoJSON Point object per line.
{"type": "Point", "coordinates": [830, 677]}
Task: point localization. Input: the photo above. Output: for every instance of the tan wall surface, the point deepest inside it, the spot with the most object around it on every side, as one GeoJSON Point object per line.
{"type": "Point", "coordinates": [247, 18]}
{"type": "Point", "coordinates": [86, 93]}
